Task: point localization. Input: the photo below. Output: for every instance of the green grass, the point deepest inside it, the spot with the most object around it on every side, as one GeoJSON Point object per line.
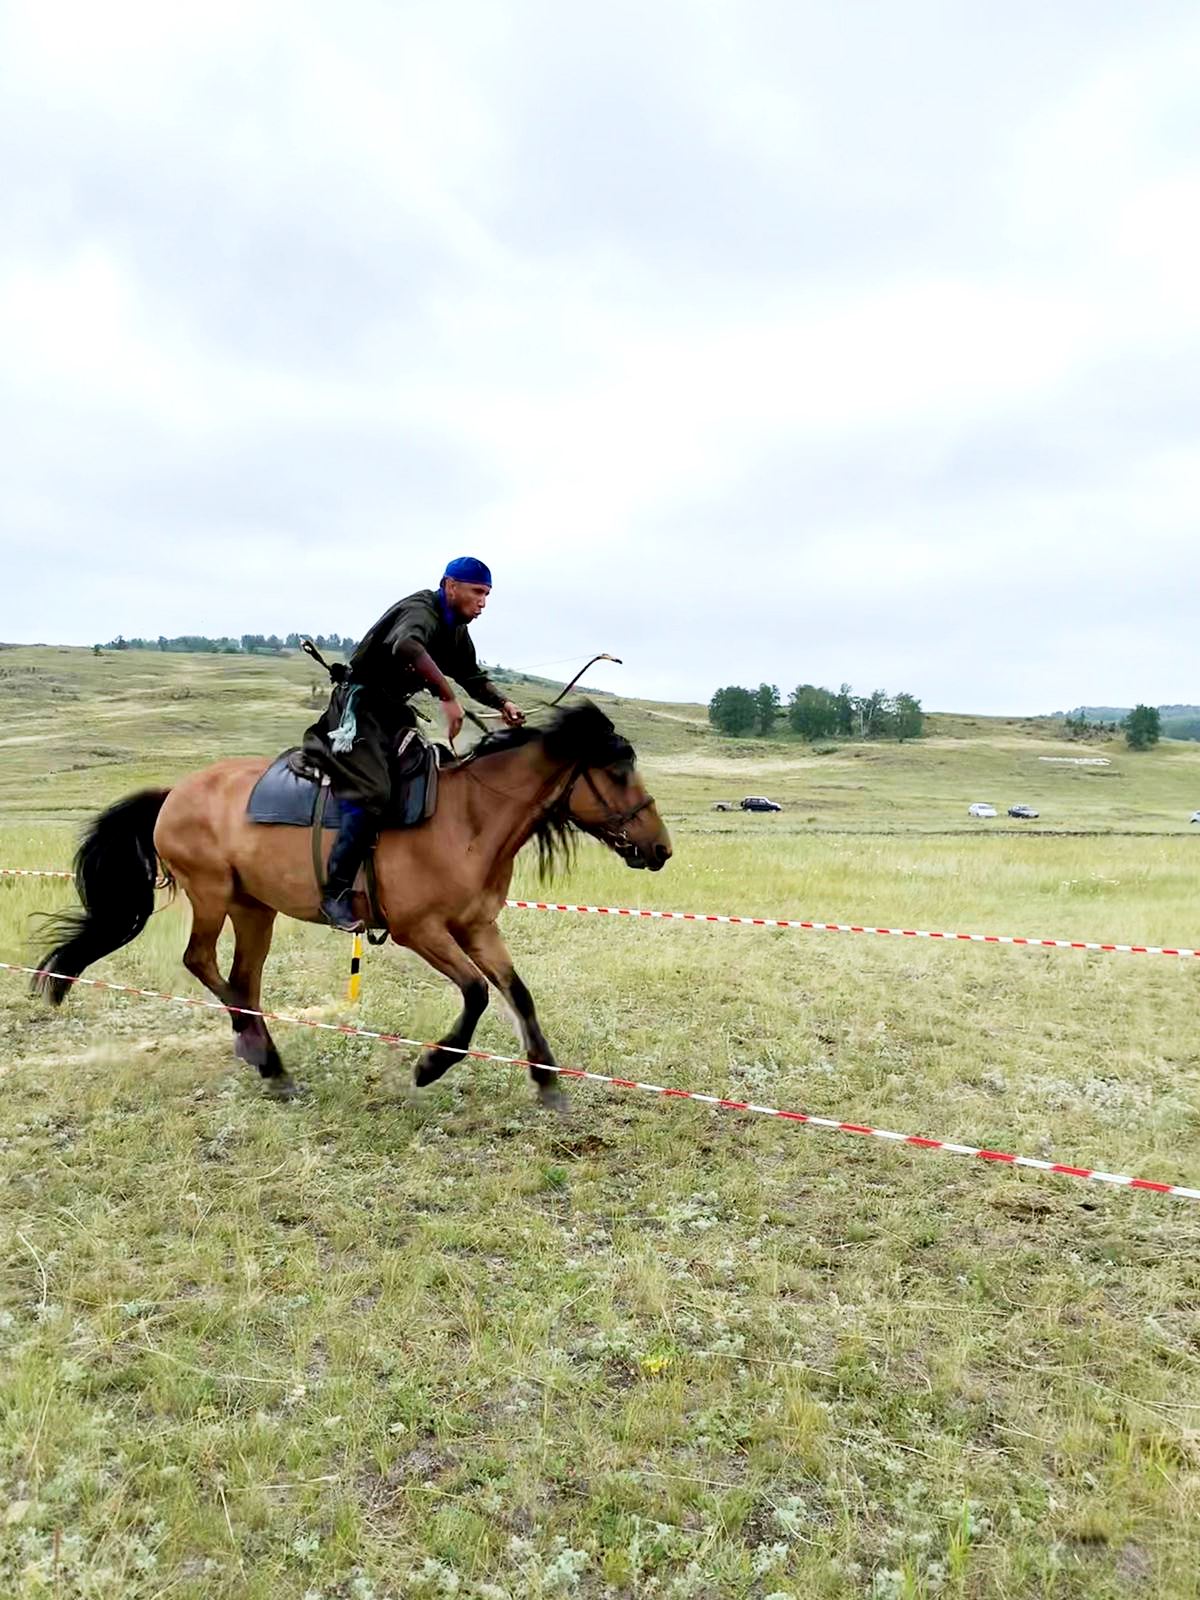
{"type": "Point", "coordinates": [377, 1345]}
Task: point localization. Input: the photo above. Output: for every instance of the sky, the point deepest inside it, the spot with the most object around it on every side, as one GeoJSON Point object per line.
{"type": "Point", "coordinates": [769, 340]}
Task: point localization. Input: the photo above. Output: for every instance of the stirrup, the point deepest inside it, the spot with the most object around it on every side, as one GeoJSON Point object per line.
{"type": "Point", "coordinates": [336, 909]}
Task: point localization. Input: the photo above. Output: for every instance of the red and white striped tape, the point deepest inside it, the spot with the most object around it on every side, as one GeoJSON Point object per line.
{"type": "Point", "coordinates": [722, 1103]}
{"type": "Point", "coordinates": [852, 927]}
{"type": "Point", "coordinates": [635, 913]}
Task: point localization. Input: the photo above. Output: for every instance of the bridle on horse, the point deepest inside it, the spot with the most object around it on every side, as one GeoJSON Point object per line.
{"type": "Point", "coordinates": [612, 827]}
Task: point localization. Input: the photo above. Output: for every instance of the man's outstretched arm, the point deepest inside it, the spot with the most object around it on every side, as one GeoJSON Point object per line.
{"type": "Point", "coordinates": [480, 687]}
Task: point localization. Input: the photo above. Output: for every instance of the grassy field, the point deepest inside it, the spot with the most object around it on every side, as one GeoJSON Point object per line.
{"type": "Point", "coordinates": [370, 1345]}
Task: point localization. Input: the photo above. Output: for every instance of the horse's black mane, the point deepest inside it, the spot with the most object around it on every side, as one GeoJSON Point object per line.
{"type": "Point", "coordinates": [579, 735]}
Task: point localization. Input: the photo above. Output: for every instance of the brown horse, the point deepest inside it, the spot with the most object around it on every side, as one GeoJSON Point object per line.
{"type": "Point", "coordinates": [440, 885]}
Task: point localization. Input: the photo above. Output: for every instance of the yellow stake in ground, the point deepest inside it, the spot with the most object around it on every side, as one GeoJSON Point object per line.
{"type": "Point", "coordinates": [354, 988]}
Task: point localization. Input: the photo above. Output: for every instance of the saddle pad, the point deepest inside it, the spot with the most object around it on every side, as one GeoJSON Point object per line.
{"type": "Point", "coordinates": [286, 796]}
{"type": "Point", "coordinates": [281, 795]}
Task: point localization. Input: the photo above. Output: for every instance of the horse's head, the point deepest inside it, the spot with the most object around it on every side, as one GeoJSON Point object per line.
{"type": "Point", "coordinates": [608, 797]}
{"type": "Point", "coordinates": [610, 802]}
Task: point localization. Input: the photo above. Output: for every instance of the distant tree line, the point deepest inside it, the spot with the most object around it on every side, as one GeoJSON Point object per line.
{"type": "Point", "coordinates": [1142, 727]}
{"type": "Point", "coordinates": [1099, 722]}
{"type": "Point", "coordinates": [249, 644]}
{"type": "Point", "coordinates": [815, 713]}
{"type": "Point", "coordinates": [1079, 726]}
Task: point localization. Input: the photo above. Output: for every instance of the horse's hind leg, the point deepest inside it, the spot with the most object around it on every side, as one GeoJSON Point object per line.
{"type": "Point", "coordinates": [490, 953]}
{"type": "Point", "coordinates": [253, 924]}
{"type": "Point", "coordinates": [211, 896]}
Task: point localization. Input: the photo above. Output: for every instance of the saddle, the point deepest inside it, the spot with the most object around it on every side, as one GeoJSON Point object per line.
{"type": "Point", "coordinates": [293, 793]}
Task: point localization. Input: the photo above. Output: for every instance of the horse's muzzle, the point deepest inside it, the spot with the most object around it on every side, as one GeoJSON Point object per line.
{"type": "Point", "coordinates": [652, 859]}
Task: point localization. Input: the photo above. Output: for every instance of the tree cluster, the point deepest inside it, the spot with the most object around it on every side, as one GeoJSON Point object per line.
{"type": "Point", "coordinates": [1142, 726]}
{"type": "Point", "coordinates": [732, 710]}
{"type": "Point", "coordinates": [817, 713]}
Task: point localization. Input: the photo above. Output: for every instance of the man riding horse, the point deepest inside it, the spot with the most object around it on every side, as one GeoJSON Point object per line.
{"type": "Point", "coordinates": [419, 643]}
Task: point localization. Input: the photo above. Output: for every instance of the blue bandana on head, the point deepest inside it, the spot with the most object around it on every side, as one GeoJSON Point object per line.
{"type": "Point", "coordinates": [468, 569]}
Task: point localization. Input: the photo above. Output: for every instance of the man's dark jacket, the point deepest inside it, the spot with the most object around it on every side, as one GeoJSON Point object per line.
{"type": "Point", "coordinates": [382, 669]}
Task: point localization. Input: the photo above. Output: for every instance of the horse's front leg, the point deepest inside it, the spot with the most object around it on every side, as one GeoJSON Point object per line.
{"type": "Point", "coordinates": [490, 953]}
{"type": "Point", "coordinates": [435, 944]}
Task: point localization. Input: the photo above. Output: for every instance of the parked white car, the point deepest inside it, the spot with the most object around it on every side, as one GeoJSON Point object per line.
{"type": "Point", "coordinates": [1195, 817]}
{"type": "Point", "coordinates": [979, 809]}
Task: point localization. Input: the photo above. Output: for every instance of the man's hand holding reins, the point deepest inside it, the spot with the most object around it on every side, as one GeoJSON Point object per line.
{"type": "Point", "coordinates": [513, 716]}
{"type": "Point", "coordinates": [454, 718]}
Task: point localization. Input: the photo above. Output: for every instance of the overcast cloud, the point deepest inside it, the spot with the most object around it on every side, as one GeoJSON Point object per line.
{"type": "Point", "coordinates": [760, 340]}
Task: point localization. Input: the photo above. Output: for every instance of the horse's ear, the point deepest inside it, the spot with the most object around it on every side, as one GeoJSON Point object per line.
{"type": "Point", "coordinates": [579, 733]}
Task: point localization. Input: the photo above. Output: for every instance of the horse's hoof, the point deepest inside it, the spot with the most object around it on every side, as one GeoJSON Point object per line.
{"type": "Point", "coordinates": [550, 1097]}
{"type": "Point", "coordinates": [390, 1088]}
{"type": "Point", "coordinates": [251, 1049]}
{"type": "Point", "coordinates": [431, 1065]}
{"type": "Point", "coordinates": [284, 1087]}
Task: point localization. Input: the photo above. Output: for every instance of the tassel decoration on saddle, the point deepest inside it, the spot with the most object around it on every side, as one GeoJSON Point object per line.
{"type": "Point", "coordinates": [341, 738]}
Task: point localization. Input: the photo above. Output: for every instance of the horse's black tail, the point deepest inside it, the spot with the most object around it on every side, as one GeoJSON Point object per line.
{"type": "Point", "coordinates": [116, 870]}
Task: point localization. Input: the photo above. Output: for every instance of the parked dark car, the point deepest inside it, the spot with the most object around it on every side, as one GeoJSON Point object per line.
{"type": "Point", "coordinates": [759, 802]}
{"type": "Point", "coordinates": [1022, 811]}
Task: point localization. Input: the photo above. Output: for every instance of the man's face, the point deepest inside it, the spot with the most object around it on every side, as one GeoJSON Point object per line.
{"type": "Point", "coordinates": [466, 600]}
